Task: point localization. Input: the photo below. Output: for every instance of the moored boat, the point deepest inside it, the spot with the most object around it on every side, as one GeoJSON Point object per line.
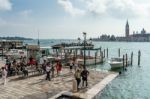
{"type": "Point", "coordinates": [118, 62]}
{"type": "Point", "coordinates": [16, 53]}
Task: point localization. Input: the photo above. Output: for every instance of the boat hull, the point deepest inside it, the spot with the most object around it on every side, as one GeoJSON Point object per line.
{"type": "Point", "coordinates": [89, 61]}
{"type": "Point", "coordinates": [118, 65]}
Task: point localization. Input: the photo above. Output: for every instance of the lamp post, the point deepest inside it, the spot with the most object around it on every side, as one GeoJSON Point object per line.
{"type": "Point", "coordinates": [84, 35]}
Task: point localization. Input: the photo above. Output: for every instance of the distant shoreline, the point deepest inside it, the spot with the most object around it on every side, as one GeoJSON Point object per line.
{"type": "Point", "coordinates": [15, 38]}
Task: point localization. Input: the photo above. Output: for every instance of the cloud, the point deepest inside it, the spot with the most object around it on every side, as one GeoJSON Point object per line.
{"type": "Point", "coordinates": [113, 8]}
{"type": "Point", "coordinates": [25, 13]}
{"type": "Point", "coordinates": [5, 5]}
{"type": "Point", "coordinates": [2, 22]}
{"type": "Point", "coordinates": [68, 7]}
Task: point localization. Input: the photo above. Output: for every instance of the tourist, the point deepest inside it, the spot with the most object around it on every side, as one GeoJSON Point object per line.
{"type": "Point", "coordinates": [41, 61]}
{"type": "Point", "coordinates": [4, 75]}
{"type": "Point", "coordinates": [24, 70]}
{"type": "Point", "coordinates": [44, 58]}
{"type": "Point", "coordinates": [71, 66]}
{"type": "Point", "coordinates": [58, 67]}
{"type": "Point", "coordinates": [24, 61]}
{"type": "Point", "coordinates": [84, 75]}
{"type": "Point", "coordinates": [14, 63]}
{"type": "Point", "coordinates": [44, 67]}
{"type": "Point", "coordinates": [78, 77]}
{"type": "Point", "coordinates": [48, 69]}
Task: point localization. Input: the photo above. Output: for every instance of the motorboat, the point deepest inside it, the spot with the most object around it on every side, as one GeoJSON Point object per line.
{"type": "Point", "coordinates": [118, 62]}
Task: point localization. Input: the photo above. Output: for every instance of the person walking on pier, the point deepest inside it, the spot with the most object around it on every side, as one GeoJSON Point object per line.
{"type": "Point", "coordinates": [48, 69]}
{"type": "Point", "coordinates": [84, 75]}
{"type": "Point", "coordinates": [4, 75]}
{"type": "Point", "coordinates": [78, 77]}
{"type": "Point", "coordinates": [71, 66]}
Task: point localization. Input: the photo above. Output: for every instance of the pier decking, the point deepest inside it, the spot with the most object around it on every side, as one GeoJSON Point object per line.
{"type": "Point", "coordinates": [38, 88]}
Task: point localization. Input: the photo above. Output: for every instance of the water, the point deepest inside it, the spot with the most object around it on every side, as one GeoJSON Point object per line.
{"type": "Point", "coordinates": [132, 84]}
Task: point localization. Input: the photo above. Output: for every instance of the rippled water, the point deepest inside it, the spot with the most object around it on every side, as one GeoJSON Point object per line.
{"type": "Point", "coordinates": [132, 84]}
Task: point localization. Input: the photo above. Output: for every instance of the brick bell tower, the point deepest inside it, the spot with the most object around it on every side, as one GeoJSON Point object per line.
{"type": "Point", "coordinates": [127, 29]}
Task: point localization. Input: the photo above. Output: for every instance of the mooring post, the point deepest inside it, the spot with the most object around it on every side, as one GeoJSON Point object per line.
{"type": "Point", "coordinates": [131, 58]}
{"type": "Point", "coordinates": [139, 57]}
{"type": "Point", "coordinates": [119, 52]}
{"type": "Point", "coordinates": [126, 60]}
{"type": "Point", "coordinates": [107, 52]}
{"type": "Point", "coordinates": [100, 49]}
{"type": "Point", "coordinates": [102, 56]}
{"type": "Point", "coordinates": [104, 53]}
{"type": "Point", "coordinates": [95, 57]}
{"type": "Point", "coordinates": [123, 63]}
{"type": "Point", "coordinates": [89, 53]}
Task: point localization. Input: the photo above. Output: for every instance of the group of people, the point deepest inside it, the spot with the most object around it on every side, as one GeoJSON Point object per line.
{"type": "Point", "coordinates": [50, 69]}
{"type": "Point", "coordinates": [81, 74]}
{"type": "Point", "coordinates": [47, 67]}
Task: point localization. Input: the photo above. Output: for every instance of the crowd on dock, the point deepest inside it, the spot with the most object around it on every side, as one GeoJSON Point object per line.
{"type": "Point", "coordinates": [24, 66]}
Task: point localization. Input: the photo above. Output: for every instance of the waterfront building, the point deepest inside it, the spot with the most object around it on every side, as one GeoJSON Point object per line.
{"type": "Point", "coordinates": [11, 44]}
{"type": "Point", "coordinates": [142, 36]}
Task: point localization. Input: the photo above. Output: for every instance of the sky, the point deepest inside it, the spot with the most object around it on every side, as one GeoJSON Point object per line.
{"type": "Point", "coordinates": [68, 19]}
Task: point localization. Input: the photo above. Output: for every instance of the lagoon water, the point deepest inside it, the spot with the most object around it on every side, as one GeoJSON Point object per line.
{"type": "Point", "coordinates": [132, 84]}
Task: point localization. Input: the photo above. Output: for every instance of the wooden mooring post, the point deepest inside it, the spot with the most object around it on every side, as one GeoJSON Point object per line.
{"type": "Point", "coordinates": [102, 57]}
{"type": "Point", "coordinates": [104, 53]}
{"type": "Point", "coordinates": [123, 63]}
{"type": "Point", "coordinates": [119, 52]}
{"type": "Point", "coordinates": [139, 57]}
{"type": "Point", "coordinates": [126, 60]}
{"type": "Point", "coordinates": [131, 58]}
{"type": "Point", "coordinates": [89, 53]}
{"type": "Point", "coordinates": [107, 52]}
{"type": "Point", "coordinates": [95, 57]}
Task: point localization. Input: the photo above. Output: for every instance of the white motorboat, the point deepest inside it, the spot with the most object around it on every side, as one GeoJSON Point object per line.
{"type": "Point", "coordinates": [118, 62]}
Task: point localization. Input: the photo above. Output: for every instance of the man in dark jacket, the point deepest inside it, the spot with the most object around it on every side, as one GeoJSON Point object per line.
{"type": "Point", "coordinates": [84, 75]}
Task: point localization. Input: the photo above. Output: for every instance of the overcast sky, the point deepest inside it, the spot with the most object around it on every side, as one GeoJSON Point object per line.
{"type": "Point", "coordinates": [69, 18]}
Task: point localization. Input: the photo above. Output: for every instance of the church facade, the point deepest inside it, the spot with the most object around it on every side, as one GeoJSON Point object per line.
{"type": "Point", "coordinates": [142, 36]}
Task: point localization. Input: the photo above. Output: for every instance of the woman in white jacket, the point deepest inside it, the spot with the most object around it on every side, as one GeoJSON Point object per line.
{"type": "Point", "coordinates": [4, 75]}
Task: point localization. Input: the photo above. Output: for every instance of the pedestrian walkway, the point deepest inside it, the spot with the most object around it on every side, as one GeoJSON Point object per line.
{"type": "Point", "coordinates": [38, 88]}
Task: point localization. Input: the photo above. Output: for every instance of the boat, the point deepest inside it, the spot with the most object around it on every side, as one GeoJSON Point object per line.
{"type": "Point", "coordinates": [118, 62]}
{"type": "Point", "coordinates": [16, 53]}
{"type": "Point", "coordinates": [90, 61]}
